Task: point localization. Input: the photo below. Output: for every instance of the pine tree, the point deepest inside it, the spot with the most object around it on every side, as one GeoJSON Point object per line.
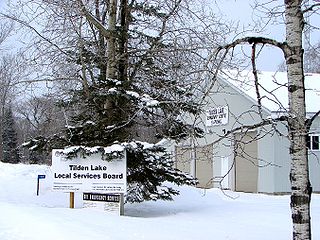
{"type": "Point", "coordinates": [9, 138]}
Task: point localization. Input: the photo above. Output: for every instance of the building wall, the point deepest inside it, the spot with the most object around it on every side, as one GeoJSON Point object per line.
{"type": "Point", "coordinates": [273, 159]}
{"type": "Point", "coordinates": [314, 166]}
{"type": "Point", "coordinates": [314, 159]}
{"type": "Point", "coordinates": [242, 112]}
{"type": "Point", "coordinates": [282, 161]}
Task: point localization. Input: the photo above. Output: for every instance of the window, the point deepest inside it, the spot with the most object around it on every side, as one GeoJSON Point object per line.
{"type": "Point", "coordinates": [313, 142]}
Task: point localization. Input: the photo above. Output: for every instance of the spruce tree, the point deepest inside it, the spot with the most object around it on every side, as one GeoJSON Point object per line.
{"type": "Point", "coordinates": [129, 98]}
{"type": "Point", "coordinates": [10, 152]}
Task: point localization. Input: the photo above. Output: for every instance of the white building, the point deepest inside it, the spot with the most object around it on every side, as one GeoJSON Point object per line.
{"type": "Point", "coordinates": [250, 159]}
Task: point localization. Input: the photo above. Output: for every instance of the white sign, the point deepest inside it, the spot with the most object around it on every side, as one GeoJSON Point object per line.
{"type": "Point", "coordinates": [217, 116]}
{"type": "Point", "coordinates": [90, 174]}
{"type": "Point", "coordinates": [110, 203]}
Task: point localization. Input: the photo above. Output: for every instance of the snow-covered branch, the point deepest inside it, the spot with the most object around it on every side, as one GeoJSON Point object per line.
{"type": "Point", "coordinates": [253, 40]}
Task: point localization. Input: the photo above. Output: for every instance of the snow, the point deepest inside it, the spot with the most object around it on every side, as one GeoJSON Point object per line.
{"type": "Point", "coordinates": [112, 148]}
{"type": "Point", "coordinates": [149, 101]}
{"type": "Point", "coordinates": [116, 147]}
{"type": "Point", "coordinates": [145, 99]}
{"type": "Point", "coordinates": [133, 94]}
{"type": "Point", "coordinates": [195, 214]}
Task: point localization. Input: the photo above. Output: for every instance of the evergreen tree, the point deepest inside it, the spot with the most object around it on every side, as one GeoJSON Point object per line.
{"type": "Point", "coordinates": [10, 152]}
{"type": "Point", "coordinates": [125, 94]}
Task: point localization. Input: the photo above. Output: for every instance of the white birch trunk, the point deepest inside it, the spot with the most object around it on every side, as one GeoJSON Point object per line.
{"type": "Point", "coordinates": [299, 175]}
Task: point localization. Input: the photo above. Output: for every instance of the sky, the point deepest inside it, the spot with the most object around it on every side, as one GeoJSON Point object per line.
{"type": "Point", "coordinates": [241, 11]}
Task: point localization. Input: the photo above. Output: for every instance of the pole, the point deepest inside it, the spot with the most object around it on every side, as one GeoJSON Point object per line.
{"type": "Point", "coordinates": [193, 161]}
{"type": "Point", "coordinates": [71, 199]}
{"type": "Point", "coordinates": [38, 183]}
{"type": "Point", "coordinates": [121, 204]}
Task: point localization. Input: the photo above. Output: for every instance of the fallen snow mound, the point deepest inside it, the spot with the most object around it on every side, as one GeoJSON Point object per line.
{"type": "Point", "coordinates": [195, 214]}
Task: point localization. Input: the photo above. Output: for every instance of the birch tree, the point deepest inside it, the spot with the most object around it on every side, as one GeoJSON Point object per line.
{"type": "Point", "coordinates": [297, 124]}
{"type": "Point", "coordinates": [299, 175]}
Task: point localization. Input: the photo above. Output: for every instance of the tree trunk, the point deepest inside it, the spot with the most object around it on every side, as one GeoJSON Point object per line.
{"type": "Point", "coordinates": [111, 48]}
{"type": "Point", "coordinates": [123, 42]}
{"type": "Point", "coordinates": [299, 175]}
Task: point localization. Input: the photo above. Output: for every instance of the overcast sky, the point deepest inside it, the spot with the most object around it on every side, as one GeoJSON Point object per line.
{"type": "Point", "coordinates": [2, 4]}
{"type": "Point", "coordinates": [241, 10]}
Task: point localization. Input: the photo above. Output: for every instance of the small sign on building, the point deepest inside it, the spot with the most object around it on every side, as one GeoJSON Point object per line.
{"type": "Point", "coordinates": [217, 116]}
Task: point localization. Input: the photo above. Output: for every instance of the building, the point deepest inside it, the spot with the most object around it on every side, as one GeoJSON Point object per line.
{"type": "Point", "coordinates": [239, 150]}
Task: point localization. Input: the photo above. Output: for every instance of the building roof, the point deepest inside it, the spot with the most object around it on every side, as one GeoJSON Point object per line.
{"type": "Point", "coordinates": [273, 88]}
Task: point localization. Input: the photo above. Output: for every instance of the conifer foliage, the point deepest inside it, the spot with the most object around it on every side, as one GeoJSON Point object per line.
{"type": "Point", "coordinates": [130, 93]}
{"type": "Point", "coordinates": [10, 152]}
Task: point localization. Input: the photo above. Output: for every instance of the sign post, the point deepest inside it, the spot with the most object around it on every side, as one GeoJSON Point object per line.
{"type": "Point", "coordinates": [71, 199]}
{"type": "Point", "coordinates": [38, 182]}
{"type": "Point", "coordinates": [121, 204]}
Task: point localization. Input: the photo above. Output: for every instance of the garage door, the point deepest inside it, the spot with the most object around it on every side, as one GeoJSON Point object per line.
{"type": "Point", "coordinates": [204, 164]}
{"type": "Point", "coordinates": [183, 159]}
{"type": "Point", "coordinates": [246, 162]}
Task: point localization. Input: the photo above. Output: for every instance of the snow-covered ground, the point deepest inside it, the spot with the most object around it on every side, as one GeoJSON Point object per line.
{"type": "Point", "coordinates": [195, 214]}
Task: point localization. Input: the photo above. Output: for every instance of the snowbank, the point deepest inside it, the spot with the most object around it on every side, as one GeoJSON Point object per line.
{"type": "Point", "coordinates": [195, 214]}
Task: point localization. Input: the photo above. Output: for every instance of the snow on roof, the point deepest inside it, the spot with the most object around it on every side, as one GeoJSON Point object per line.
{"type": "Point", "coordinates": [273, 88]}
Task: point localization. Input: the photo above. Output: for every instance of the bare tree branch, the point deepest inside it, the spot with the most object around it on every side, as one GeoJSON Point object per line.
{"type": "Point", "coordinates": [93, 20]}
{"type": "Point", "coordinates": [245, 128]}
{"type": "Point", "coordinates": [5, 30]}
{"type": "Point", "coordinates": [255, 74]}
{"type": "Point", "coordinates": [25, 24]}
{"type": "Point", "coordinates": [255, 40]}
{"type": "Point", "coordinates": [311, 8]}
